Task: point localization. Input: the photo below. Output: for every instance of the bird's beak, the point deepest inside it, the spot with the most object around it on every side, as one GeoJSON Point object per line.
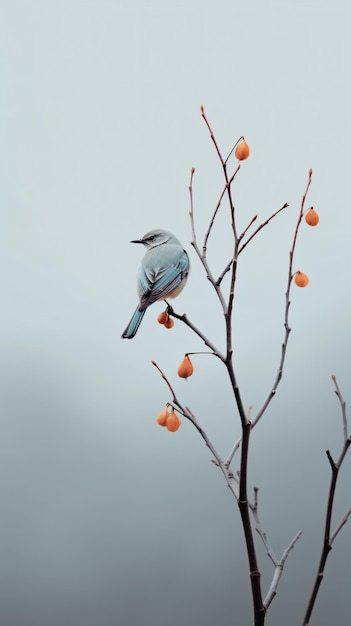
{"type": "Point", "coordinates": [136, 241]}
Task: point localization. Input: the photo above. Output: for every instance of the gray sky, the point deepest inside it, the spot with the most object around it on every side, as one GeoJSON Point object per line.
{"type": "Point", "coordinates": [106, 518]}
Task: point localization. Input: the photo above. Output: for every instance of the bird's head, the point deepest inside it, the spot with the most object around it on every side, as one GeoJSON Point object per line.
{"type": "Point", "coordinates": [155, 238]}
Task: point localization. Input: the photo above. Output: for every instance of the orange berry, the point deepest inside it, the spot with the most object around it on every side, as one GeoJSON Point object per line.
{"type": "Point", "coordinates": [186, 368]}
{"type": "Point", "coordinates": [242, 151]}
{"type": "Point", "coordinates": [169, 323]}
{"type": "Point", "coordinates": [162, 417]}
{"type": "Point", "coordinates": [301, 279]}
{"type": "Point", "coordinates": [173, 421]}
{"type": "Point", "coordinates": [162, 317]}
{"type": "Point", "coordinates": [312, 217]}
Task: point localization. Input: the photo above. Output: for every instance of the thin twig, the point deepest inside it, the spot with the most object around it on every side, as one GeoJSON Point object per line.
{"type": "Point", "coordinates": [184, 318]}
{"type": "Point", "coordinates": [259, 529]}
{"type": "Point", "coordinates": [218, 461]}
{"type": "Point", "coordinates": [212, 135]}
{"type": "Point", "coordinates": [272, 592]}
{"type": "Point", "coordinates": [224, 166]}
{"type": "Point", "coordinates": [203, 258]}
{"type": "Point", "coordinates": [204, 248]}
{"type": "Point", "coordinates": [233, 148]}
{"type": "Point", "coordinates": [278, 563]}
{"type": "Point", "coordinates": [339, 526]}
{"type": "Point", "coordinates": [285, 205]}
{"type": "Point", "coordinates": [248, 226]}
{"type": "Point", "coordinates": [185, 411]}
{"type": "Point", "coordinates": [343, 407]}
{"type": "Point", "coordinates": [175, 399]}
{"type": "Point", "coordinates": [241, 248]}
{"type": "Point", "coordinates": [191, 211]}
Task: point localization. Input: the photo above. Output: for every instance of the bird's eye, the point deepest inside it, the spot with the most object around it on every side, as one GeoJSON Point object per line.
{"type": "Point", "coordinates": [152, 238]}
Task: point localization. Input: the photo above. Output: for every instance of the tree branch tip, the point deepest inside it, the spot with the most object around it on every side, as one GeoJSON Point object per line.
{"type": "Point", "coordinates": [331, 460]}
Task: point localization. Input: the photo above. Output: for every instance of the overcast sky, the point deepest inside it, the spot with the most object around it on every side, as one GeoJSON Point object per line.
{"type": "Point", "coordinates": [106, 517]}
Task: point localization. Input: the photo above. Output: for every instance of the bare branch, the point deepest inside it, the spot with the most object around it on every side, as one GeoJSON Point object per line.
{"type": "Point", "coordinates": [272, 592]}
{"type": "Point", "coordinates": [343, 406]}
{"type": "Point", "coordinates": [191, 212]}
{"type": "Point", "coordinates": [204, 249]}
{"type": "Point", "coordinates": [202, 257]}
{"type": "Point", "coordinates": [224, 166]}
{"type": "Point", "coordinates": [262, 534]}
{"type": "Point", "coordinates": [286, 313]}
{"type": "Point", "coordinates": [327, 537]}
{"type": "Point", "coordinates": [262, 226]}
{"type": "Point", "coordinates": [228, 266]}
{"type": "Point", "coordinates": [233, 148]}
{"type": "Point", "coordinates": [194, 420]}
{"type": "Point", "coordinates": [331, 461]}
{"type": "Point", "coordinates": [233, 451]}
{"type": "Point", "coordinates": [212, 136]}
{"type": "Point", "coordinates": [278, 564]}
{"type": "Point", "coordinates": [186, 412]}
{"type": "Point", "coordinates": [184, 318]}
{"type": "Point", "coordinates": [339, 526]}
{"type": "Point", "coordinates": [248, 226]}
{"type": "Point", "coordinates": [232, 484]}
{"type": "Point", "coordinates": [175, 399]}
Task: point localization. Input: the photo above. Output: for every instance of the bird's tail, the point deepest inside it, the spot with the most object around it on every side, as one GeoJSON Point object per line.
{"type": "Point", "coordinates": [134, 324]}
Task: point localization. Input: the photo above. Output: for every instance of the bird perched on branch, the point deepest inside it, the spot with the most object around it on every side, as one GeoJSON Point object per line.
{"type": "Point", "coordinates": [162, 274]}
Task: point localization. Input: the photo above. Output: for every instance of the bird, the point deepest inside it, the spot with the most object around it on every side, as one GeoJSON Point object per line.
{"type": "Point", "coordinates": [163, 272]}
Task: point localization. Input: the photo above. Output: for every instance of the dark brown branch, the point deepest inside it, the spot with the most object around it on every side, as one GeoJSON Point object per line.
{"type": "Point", "coordinates": [327, 537]}
{"type": "Point", "coordinates": [255, 575]}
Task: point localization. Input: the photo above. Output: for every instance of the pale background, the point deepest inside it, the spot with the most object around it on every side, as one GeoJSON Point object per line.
{"type": "Point", "coordinates": [106, 518]}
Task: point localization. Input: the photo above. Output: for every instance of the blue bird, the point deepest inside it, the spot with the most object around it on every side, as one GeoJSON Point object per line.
{"type": "Point", "coordinates": [162, 274]}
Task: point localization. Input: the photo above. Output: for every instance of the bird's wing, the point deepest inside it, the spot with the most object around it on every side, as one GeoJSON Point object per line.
{"type": "Point", "coordinates": [156, 280]}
